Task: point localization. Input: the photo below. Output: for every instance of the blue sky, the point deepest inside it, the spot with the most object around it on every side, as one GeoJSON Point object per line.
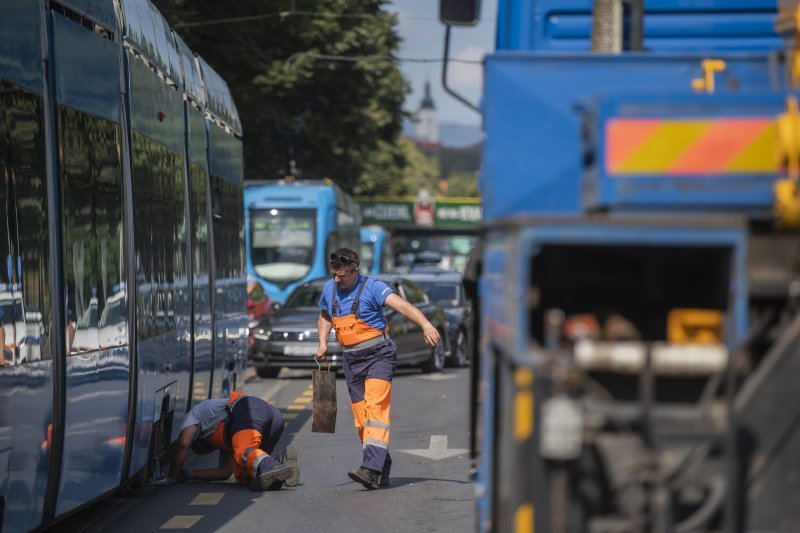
{"type": "Point", "coordinates": [423, 38]}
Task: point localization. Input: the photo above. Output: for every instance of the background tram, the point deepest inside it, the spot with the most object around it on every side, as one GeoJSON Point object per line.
{"type": "Point", "coordinates": [292, 226]}
{"type": "Point", "coordinates": [123, 282]}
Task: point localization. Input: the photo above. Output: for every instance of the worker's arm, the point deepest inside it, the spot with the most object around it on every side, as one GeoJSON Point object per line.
{"type": "Point", "coordinates": [182, 447]}
{"type": "Point", "coordinates": [429, 331]}
{"type": "Point", "coordinates": [221, 473]}
{"type": "Point", "coordinates": [324, 326]}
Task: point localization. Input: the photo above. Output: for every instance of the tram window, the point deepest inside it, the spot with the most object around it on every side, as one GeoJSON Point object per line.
{"type": "Point", "coordinates": [91, 178]}
{"type": "Point", "coordinates": [24, 278]}
{"type": "Point", "coordinates": [199, 215]}
{"type": "Point", "coordinates": [160, 235]}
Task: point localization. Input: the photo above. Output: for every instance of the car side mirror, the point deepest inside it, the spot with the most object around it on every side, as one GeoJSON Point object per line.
{"type": "Point", "coordinates": [459, 12]}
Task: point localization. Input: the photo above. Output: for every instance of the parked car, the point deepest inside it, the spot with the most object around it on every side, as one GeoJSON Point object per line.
{"type": "Point", "coordinates": [446, 289]}
{"type": "Point", "coordinates": [288, 338]}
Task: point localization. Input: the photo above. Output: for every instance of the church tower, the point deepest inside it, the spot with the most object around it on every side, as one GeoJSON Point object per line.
{"type": "Point", "coordinates": [427, 127]}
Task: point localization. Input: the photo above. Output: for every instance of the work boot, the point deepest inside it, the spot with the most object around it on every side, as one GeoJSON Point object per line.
{"type": "Point", "coordinates": [266, 479]}
{"type": "Point", "coordinates": [289, 457]}
{"type": "Point", "coordinates": [369, 478]}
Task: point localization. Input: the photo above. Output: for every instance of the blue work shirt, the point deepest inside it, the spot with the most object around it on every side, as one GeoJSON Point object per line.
{"type": "Point", "coordinates": [370, 304]}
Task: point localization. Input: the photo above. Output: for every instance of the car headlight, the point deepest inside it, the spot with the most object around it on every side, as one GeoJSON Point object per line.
{"type": "Point", "coordinates": [263, 334]}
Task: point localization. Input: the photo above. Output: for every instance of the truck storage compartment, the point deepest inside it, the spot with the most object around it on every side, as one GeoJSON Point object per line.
{"type": "Point", "coordinates": [636, 286]}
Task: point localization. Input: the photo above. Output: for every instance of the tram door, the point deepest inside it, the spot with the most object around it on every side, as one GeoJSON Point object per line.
{"type": "Point", "coordinates": [26, 378]}
{"type": "Point", "coordinates": [203, 339]}
{"type": "Point", "coordinates": [88, 115]}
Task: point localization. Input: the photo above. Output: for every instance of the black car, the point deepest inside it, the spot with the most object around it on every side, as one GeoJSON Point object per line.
{"type": "Point", "coordinates": [289, 338]}
{"type": "Point", "coordinates": [445, 288]}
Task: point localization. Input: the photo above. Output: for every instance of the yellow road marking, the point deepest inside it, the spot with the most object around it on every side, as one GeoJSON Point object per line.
{"type": "Point", "coordinates": [308, 392]}
{"type": "Point", "coordinates": [302, 399]}
{"type": "Point", "coordinates": [208, 498]}
{"type": "Point", "coordinates": [295, 407]}
{"type": "Point", "coordinates": [181, 522]}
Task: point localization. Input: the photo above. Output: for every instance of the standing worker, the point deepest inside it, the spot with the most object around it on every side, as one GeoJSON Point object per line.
{"type": "Point", "coordinates": [245, 430]}
{"type": "Point", "coordinates": [353, 305]}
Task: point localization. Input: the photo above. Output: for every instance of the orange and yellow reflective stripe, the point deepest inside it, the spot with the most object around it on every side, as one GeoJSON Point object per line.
{"type": "Point", "coordinates": [689, 147]}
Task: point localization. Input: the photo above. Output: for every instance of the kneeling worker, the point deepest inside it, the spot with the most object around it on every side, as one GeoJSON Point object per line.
{"type": "Point", "coordinates": [245, 430]}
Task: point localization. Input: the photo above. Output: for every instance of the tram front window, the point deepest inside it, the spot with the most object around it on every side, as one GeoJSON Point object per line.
{"type": "Point", "coordinates": [367, 256]}
{"type": "Point", "coordinates": [282, 243]}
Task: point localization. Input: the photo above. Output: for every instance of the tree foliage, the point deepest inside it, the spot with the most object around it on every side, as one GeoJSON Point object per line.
{"type": "Point", "coordinates": [464, 183]}
{"type": "Point", "coordinates": [398, 168]}
{"type": "Point", "coordinates": [340, 115]}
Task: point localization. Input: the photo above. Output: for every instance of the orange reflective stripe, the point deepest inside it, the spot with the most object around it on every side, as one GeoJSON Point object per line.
{"type": "Point", "coordinates": [378, 396]}
{"type": "Point", "coordinates": [721, 142]}
{"type": "Point", "coordinates": [699, 147]}
{"type": "Point", "coordinates": [351, 330]}
{"type": "Point", "coordinates": [623, 137]}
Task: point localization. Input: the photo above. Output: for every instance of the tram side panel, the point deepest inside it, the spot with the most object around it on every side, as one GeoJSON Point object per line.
{"type": "Point", "coordinates": [157, 154]}
{"type": "Point", "coordinates": [97, 363]}
{"type": "Point", "coordinates": [230, 298]}
{"type": "Point", "coordinates": [26, 386]}
{"type": "Point", "coordinates": [202, 348]}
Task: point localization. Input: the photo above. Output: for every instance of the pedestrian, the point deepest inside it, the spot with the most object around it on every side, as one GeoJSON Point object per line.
{"type": "Point", "coordinates": [245, 430]}
{"type": "Point", "coordinates": [352, 304]}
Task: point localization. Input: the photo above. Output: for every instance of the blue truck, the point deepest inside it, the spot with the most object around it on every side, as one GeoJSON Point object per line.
{"type": "Point", "coordinates": [637, 276]}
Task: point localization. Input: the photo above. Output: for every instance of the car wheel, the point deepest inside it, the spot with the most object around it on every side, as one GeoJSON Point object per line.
{"type": "Point", "coordinates": [435, 362]}
{"type": "Point", "coordinates": [267, 371]}
{"type": "Point", "coordinates": [460, 357]}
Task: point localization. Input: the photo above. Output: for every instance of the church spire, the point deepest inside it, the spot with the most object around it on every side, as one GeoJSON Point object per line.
{"type": "Point", "coordinates": [427, 101]}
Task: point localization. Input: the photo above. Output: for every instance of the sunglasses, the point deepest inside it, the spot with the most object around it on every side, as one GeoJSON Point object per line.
{"type": "Point", "coordinates": [341, 260]}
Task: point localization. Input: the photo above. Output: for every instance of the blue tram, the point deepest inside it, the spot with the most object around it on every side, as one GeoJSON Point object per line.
{"type": "Point", "coordinates": [377, 256]}
{"type": "Point", "coordinates": [123, 279]}
{"type": "Point", "coordinates": [291, 226]}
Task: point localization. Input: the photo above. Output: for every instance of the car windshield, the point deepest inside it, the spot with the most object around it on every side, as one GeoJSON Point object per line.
{"type": "Point", "coordinates": [282, 243]}
{"type": "Point", "coordinates": [445, 294]}
{"type": "Point", "coordinates": [113, 313]}
{"type": "Point", "coordinates": [12, 309]}
{"type": "Point", "coordinates": [305, 296]}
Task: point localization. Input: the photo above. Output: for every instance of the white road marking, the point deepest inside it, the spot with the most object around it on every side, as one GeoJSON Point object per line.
{"type": "Point", "coordinates": [437, 377]}
{"type": "Point", "coordinates": [437, 449]}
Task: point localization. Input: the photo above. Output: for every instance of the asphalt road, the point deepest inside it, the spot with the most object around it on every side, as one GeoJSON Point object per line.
{"type": "Point", "coordinates": [430, 489]}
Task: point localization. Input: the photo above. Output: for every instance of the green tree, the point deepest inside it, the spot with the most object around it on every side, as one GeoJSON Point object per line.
{"type": "Point", "coordinates": [322, 68]}
{"type": "Point", "coordinates": [463, 184]}
{"type": "Point", "coordinates": [398, 168]}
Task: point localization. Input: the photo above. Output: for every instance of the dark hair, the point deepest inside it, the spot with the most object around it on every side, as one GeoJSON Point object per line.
{"type": "Point", "coordinates": [344, 257]}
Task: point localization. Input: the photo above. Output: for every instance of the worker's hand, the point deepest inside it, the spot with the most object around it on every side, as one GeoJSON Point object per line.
{"type": "Point", "coordinates": [322, 349]}
{"type": "Point", "coordinates": [431, 334]}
